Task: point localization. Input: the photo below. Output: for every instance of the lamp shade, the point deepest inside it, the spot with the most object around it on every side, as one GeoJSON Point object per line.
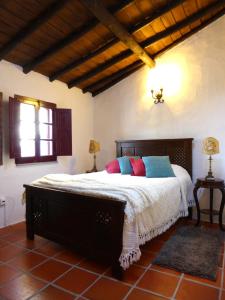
{"type": "Point", "coordinates": [210, 146]}
{"type": "Point", "coordinates": [94, 146]}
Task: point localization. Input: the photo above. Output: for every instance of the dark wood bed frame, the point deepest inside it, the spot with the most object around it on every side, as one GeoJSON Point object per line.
{"type": "Point", "coordinates": [94, 226]}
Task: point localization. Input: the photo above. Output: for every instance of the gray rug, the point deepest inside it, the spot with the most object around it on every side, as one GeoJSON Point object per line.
{"type": "Point", "coordinates": [192, 250]}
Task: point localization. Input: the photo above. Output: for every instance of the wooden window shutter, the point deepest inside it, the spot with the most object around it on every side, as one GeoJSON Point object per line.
{"type": "Point", "coordinates": [1, 109]}
{"type": "Point", "coordinates": [14, 147]}
{"type": "Point", "coordinates": [62, 130]}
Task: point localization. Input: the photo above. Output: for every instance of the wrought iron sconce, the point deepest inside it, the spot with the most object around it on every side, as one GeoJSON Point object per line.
{"type": "Point", "coordinates": [157, 96]}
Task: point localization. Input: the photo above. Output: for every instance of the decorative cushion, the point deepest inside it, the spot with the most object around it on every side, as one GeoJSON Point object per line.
{"type": "Point", "coordinates": [113, 166]}
{"type": "Point", "coordinates": [125, 165]}
{"type": "Point", "coordinates": [138, 167]}
{"type": "Point", "coordinates": [158, 166]}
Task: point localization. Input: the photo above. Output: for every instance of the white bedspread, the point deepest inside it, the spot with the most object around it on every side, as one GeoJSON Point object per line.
{"type": "Point", "coordinates": [153, 204]}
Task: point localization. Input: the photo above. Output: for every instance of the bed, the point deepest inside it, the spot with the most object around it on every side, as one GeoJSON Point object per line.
{"type": "Point", "coordinates": [91, 224]}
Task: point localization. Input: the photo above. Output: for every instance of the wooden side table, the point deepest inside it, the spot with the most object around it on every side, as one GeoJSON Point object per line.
{"type": "Point", "coordinates": [211, 185]}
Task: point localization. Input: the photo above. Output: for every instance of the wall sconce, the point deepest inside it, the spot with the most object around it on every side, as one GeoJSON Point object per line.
{"type": "Point", "coordinates": [157, 96]}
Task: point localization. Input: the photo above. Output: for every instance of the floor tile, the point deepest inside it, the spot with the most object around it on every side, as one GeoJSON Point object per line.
{"type": "Point", "coordinates": [32, 244]}
{"type": "Point", "coordinates": [157, 282]}
{"type": "Point", "coordinates": [194, 291]}
{"type": "Point", "coordinates": [27, 261]}
{"type": "Point", "coordinates": [3, 243]}
{"type": "Point", "coordinates": [216, 283]}
{"type": "Point", "coordinates": [113, 290]}
{"type": "Point", "coordinates": [209, 225]}
{"type": "Point", "coordinates": [6, 231]}
{"type": "Point", "coordinates": [166, 235]}
{"type": "Point", "coordinates": [69, 256]}
{"type": "Point", "coordinates": [50, 249]}
{"type": "Point", "coordinates": [223, 295]}
{"type": "Point", "coordinates": [15, 237]}
{"type": "Point", "coordinates": [165, 270]}
{"type": "Point", "coordinates": [19, 226]}
{"type": "Point", "coordinates": [76, 280]}
{"type": "Point", "coordinates": [50, 270]}
{"type": "Point", "coordinates": [142, 295]}
{"type": "Point", "coordinates": [223, 278]}
{"type": "Point", "coordinates": [146, 258]}
{"type": "Point", "coordinates": [131, 275]}
{"type": "Point", "coordinates": [21, 288]}
{"type": "Point", "coordinates": [13, 229]}
{"type": "Point", "coordinates": [10, 251]}
{"type": "Point", "coordinates": [7, 273]}
{"type": "Point", "coordinates": [93, 266]}
{"type": "Point", "coordinates": [52, 293]}
{"type": "Point", "coordinates": [153, 245]}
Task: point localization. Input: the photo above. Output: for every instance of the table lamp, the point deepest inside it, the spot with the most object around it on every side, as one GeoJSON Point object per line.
{"type": "Point", "coordinates": [210, 147]}
{"type": "Point", "coordinates": [94, 147]}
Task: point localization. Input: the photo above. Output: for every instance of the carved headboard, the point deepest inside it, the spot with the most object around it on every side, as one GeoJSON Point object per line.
{"type": "Point", "coordinates": [179, 150]}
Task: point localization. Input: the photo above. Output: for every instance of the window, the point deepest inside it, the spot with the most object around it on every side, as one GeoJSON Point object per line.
{"type": "Point", "coordinates": [37, 130]}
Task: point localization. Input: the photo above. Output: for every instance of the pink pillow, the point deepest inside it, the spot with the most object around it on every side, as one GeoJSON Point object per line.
{"type": "Point", "coordinates": [138, 167]}
{"type": "Point", "coordinates": [113, 166]}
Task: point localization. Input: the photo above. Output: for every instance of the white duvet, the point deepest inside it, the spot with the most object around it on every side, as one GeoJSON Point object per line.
{"type": "Point", "coordinates": [152, 204]}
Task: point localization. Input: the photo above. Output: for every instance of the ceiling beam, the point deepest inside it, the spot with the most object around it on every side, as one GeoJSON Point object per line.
{"type": "Point", "coordinates": [109, 81]}
{"type": "Point", "coordinates": [194, 17]}
{"type": "Point", "coordinates": [147, 21]}
{"type": "Point", "coordinates": [33, 25]}
{"type": "Point", "coordinates": [158, 36]}
{"type": "Point", "coordinates": [109, 63]}
{"type": "Point", "coordinates": [69, 39]}
{"type": "Point", "coordinates": [97, 8]}
{"type": "Point", "coordinates": [102, 82]}
{"type": "Point", "coordinates": [76, 63]}
{"type": "Point", "coordinates": [192, 32]}
{"type": "Point", "coordinates": [118, 76]}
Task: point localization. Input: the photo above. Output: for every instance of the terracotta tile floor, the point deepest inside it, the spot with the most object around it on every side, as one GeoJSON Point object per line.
{"type": "Point", "coordinates": [43, 270]}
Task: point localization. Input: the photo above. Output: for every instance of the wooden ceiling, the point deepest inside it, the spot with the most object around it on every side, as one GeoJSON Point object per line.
{"type": "Point", "coordinates": [93, 44]}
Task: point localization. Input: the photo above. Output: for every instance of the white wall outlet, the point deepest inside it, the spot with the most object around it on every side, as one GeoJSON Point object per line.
{"type": "Point", "coordinates": [2, 201]}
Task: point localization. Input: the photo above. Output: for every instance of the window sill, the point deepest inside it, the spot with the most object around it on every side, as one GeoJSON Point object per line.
{"type": "Point", "coordinates": [28, 160]}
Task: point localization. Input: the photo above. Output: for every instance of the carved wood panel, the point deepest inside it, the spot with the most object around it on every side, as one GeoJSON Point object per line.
{"type": "Point", "coordinates": [179, 150]}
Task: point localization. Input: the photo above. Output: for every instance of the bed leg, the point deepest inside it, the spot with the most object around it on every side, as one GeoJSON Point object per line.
{"type": "Point", "coordinates": [29, 219]}
{"type": "Point", "coordinates": [190, 213]}
{"type": "Point", "coordinates": [30, 232]}
{"type": "Point", "coordinates": [117, 271]}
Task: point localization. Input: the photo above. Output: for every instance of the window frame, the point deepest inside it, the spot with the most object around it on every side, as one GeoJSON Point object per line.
{"type": "Point", "coordinates": [37, 158]}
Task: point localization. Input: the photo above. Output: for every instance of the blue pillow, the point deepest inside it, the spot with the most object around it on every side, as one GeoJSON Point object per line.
{"type": "Point", "coordinates": [125, 165]}
{"type": "Point", "coordinates": [158, 166]}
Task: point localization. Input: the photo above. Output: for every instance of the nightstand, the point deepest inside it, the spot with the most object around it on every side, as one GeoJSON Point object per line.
{"type": "Point", "coordinates": [211, 185]}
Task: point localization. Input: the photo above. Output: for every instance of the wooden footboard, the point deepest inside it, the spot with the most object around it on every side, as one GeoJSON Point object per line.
{"type": "Point", "coordinates": [93, 226]}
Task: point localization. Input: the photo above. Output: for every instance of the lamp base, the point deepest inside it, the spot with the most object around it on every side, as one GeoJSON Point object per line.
{"type": "Point", "coordinates": [210, 177]}
{"type": "Point", "coordinates": [94, 169]}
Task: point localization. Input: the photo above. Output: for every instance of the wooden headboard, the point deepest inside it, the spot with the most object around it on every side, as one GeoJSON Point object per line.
{"type": "Point", "coordinates": [179, 150]}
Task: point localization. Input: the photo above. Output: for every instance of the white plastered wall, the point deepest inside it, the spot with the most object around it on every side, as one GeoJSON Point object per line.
{"type": "Point", "coordinates": [12, 177]}
{"type": "Point", "coordinates": [193, 77]}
